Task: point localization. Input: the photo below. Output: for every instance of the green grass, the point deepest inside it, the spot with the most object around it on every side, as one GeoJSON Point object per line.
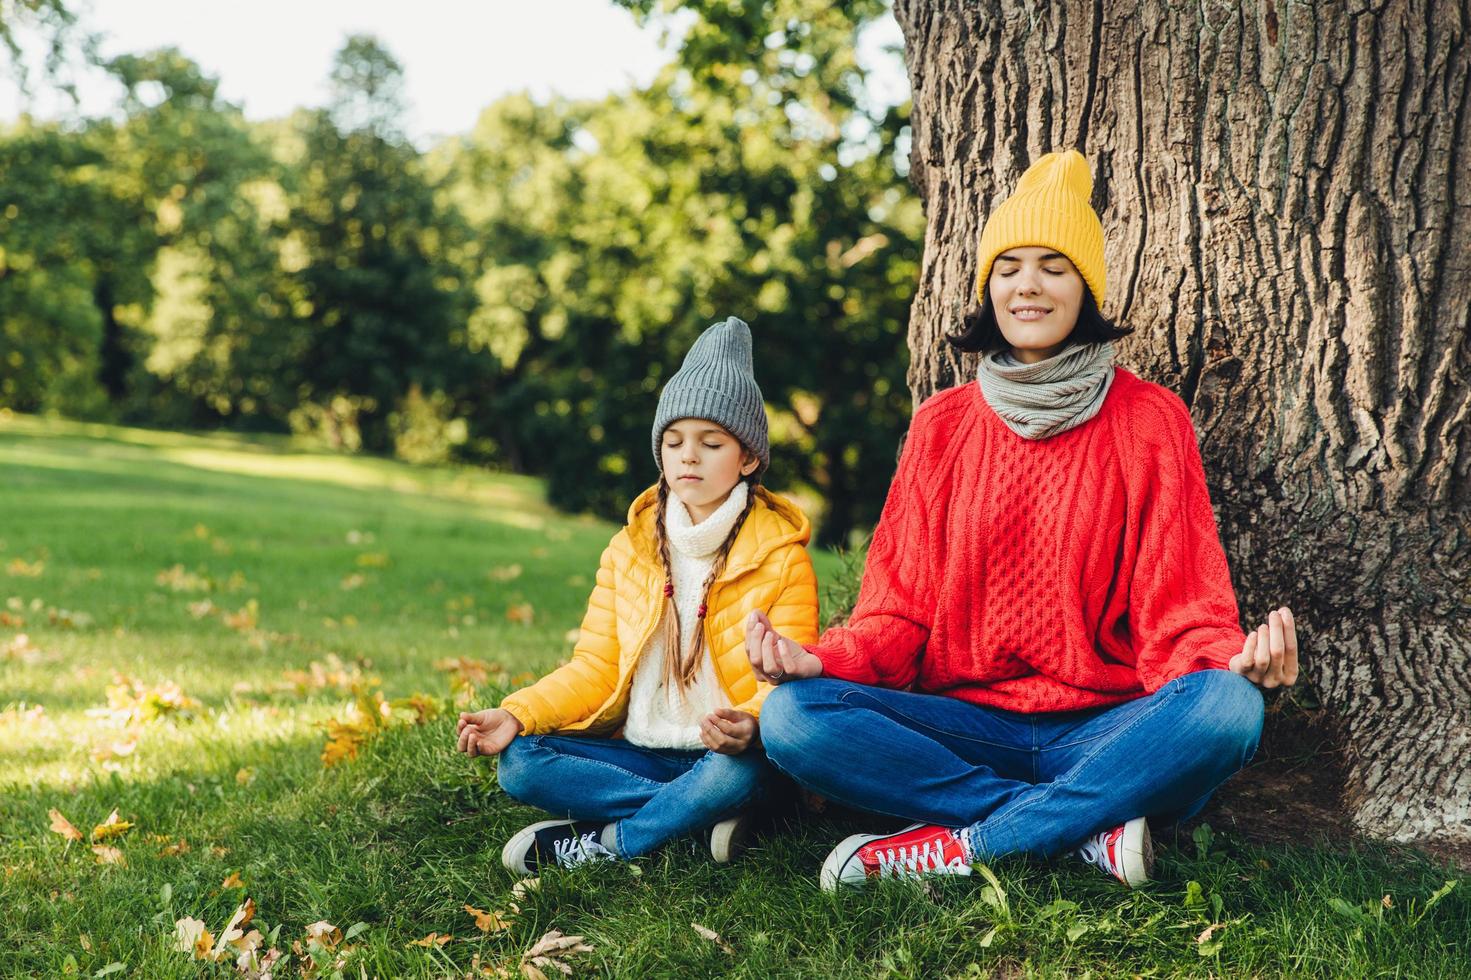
{"type": "Point", "coordinates": [404, 836]}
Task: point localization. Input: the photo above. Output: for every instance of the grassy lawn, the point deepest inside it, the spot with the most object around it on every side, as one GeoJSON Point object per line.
{"type": "Point", "coordinates": [196, 609]}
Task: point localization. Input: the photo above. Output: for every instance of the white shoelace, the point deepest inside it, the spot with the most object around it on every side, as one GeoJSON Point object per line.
{"type": "Point", "coordinates": [577, 850]}
{"type": "Point", "coordinates": [901, 862]}
{"type": "Point", "coordinates": [1094, 850]}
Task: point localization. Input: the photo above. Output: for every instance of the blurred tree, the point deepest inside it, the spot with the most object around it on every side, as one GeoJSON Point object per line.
{"type": "Point", "coordinates": [748, 180]}
{"type": "Point", "coordinates": [53, 213]}
{"type": "Point", "coordinates": [383, 305]}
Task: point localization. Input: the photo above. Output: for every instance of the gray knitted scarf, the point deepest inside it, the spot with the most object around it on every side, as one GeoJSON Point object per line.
{"type": "Point", "coordinates": [1043, 399]}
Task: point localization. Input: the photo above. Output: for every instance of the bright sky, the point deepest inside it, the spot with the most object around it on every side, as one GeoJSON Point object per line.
{"type": "Point", "coordinates": [272, 56]}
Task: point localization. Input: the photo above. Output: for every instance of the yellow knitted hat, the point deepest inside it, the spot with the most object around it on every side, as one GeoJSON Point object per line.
{"type": "Point", "coordinates": [1049, 208]}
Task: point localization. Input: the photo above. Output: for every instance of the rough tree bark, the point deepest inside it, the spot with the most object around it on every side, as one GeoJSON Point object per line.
{"type": "Point", "coordinates": [1286, 197]}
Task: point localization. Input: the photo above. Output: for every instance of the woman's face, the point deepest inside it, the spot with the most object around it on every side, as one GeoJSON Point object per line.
{"type": "Point", "coordinates": [702, 464]}
{"type": "Point", "coordinates": [1037, 294]}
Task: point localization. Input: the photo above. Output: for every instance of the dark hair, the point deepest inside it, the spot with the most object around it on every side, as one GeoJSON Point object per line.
{"type": "Point", "coordinates": [980, 334]}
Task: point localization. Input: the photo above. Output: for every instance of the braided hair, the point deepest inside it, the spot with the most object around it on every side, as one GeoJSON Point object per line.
{"type": "Point", "coordinates": [681, 665]}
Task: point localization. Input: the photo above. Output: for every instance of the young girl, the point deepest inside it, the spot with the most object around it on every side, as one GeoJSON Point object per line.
{"type": "Point", "coordinates": [655, 715]}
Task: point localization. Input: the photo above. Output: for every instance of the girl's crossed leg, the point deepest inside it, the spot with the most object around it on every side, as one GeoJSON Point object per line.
{"type": "Point", "coordinates": [650, 796]}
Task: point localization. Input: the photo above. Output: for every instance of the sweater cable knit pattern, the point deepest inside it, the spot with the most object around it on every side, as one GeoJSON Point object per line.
{"type": "Point", "coordinates": [1073, 572]}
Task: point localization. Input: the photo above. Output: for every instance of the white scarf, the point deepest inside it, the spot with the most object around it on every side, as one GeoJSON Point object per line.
{"type": "Point", "coordinates": [660, 716]}
{"type": "Point", "coordinates": [705, 538]}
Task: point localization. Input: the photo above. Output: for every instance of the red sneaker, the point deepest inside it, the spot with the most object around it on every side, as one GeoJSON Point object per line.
{"type": "Point", "coordinates": [922, 849]}
{"type": "Point", "coordinates": [1126, 852]}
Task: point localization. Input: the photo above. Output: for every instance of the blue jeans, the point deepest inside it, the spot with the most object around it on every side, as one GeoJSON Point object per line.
{"type": "Point", "coordinates": [655, 795]}
{"type": "Point", "coordinates": [1018, 783]}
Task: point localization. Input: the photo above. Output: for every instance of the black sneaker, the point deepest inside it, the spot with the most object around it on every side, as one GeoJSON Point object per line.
{"type": "Point", "coordinates": [565, 843]}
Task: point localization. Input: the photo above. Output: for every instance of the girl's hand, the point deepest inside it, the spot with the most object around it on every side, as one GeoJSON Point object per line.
{"type": "Point", "coordinates": [728, 731]}
{"type": "Point", "coordinates": [486, 732]}
{"type": "Point", "coordinates": [1269, 657]}
{"type": "Point", "coordinates": [775, 658]}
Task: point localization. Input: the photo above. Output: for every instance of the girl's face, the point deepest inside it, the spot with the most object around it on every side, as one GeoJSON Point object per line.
{"type": "Point", "coordinates": [1037, 294]}
{"type": "Point", "coordinates": [702, 464]}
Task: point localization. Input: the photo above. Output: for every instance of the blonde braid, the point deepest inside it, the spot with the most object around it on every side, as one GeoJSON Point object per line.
{"type": "Point", "coordinates": [691, 664]}
{"type": "Point", "coordinates": [671, 614]}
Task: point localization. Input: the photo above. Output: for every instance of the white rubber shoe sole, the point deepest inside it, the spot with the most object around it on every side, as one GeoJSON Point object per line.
{"type": "Point", "coordinates": [1136, 853]}
{"type": "Point", "coordinates": [514, 854]}
{"type": "Point", "coordinates": [729, 837]}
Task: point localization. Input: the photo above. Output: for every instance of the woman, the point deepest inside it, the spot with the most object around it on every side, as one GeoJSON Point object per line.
{"type": "Point", "coordinates": [1045, 649]}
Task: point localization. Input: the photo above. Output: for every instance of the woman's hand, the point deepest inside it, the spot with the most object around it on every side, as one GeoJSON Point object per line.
{"type": "Point", "coordinates": [486, 732]}
{"type": "Point", "coordinates": [728, 731]}
{"type": "Point", "coordinates": [775, 658]}
{"type": "Point", "coordinates": [1269, 657]}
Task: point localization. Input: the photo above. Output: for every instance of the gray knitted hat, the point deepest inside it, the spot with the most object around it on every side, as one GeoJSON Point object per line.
{"type": "Point", "coordinates": [716, 382]}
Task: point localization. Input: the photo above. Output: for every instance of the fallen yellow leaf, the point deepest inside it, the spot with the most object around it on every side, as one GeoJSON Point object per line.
{"type": "Point", "coordinates": [489, 921]}
{"type": "Point", "coordinates": [433, 939]}
{"type": "Point", "coordinates": [174, 850]}
{"type": "Point", "coordinates": [110, 828]}
{"type": "Point", "coordinates": [232, 882]}
{"type": "Point", "coordinates": [63, 826]}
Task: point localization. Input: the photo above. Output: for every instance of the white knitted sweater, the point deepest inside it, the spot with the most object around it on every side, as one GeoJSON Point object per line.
{"type": "Point", "coordinates": [661, 717]}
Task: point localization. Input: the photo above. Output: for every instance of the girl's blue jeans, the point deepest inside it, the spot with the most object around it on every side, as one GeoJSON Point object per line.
{"type": "Point", "coordinates": [654, 795]}
{"type": "Point", "coordinates": [1018, 783]}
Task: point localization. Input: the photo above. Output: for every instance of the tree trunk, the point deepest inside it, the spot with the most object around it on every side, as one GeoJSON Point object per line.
{"type": "Point", "coordinates": [1286, 200]}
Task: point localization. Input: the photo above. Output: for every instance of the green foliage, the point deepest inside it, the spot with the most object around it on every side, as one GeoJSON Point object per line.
{"type": "Point", "coordinates": [514, 297]}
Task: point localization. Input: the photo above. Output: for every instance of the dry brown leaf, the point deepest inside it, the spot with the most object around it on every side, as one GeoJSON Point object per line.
{"type": "Point", "coordinates": [63, 826]}
{"type": "Point", "coordinates": [325, 933]}
{"type": "Point", "coordinates": [713, 936]}
{"type": "Point", "coordinates": [523, 613]}
{"type": "Point", "coordinates": [191, 936]}
{"type": "Point", "coordinates": [202, 608]}
{"type": "Point", "coordinates": [234, 931]}
{"type": "Point", "coordinates": [245, 618]}
{"type": "Point", "coordinates": [489, 921]}
{"type": "Point", "coordinates": [232, 882]}
{"type": "Point", "coordinates": [1208, 931]}
{"type": "Point", "coordinates": [551, 951]}
{"type": "Point", "coordinates": [175, 849]}
{"type": "Point", "coordinates": [433, 939]}
{"type": "Point", "coordinates": [108, 855]}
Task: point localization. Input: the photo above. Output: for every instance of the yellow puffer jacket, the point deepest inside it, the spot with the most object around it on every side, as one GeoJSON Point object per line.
{"type": "Point", "coordinates": [768, 569]}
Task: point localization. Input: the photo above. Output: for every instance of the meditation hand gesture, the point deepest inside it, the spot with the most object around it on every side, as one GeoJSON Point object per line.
{"type": "Point", "coordinates": [486, 732]}
{"type": "Point", "coordinates": [1269, 657]}
{"type": "Point", "coordinates": [728, 731]}
{"type": "Point", "coordinates": [775, 658]}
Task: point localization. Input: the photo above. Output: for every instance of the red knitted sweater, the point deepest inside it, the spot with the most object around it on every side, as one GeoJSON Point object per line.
{"type": "Point", "coordinates": [1042, 575]}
